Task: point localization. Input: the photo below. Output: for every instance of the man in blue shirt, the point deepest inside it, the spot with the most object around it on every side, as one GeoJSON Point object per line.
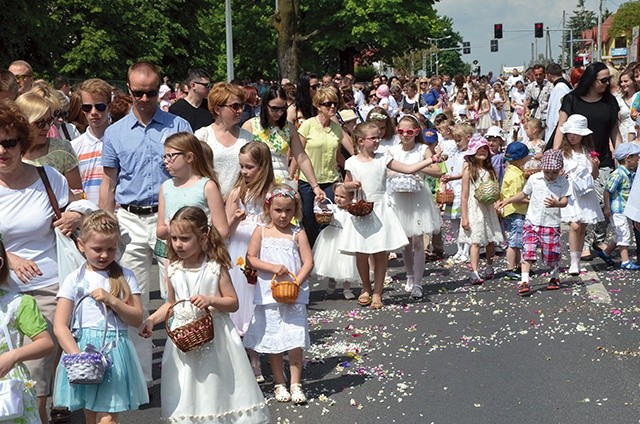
{"type": "Point", "coordinates": [133, 172]}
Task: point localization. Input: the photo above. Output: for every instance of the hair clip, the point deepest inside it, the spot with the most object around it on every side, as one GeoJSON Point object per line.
{"type": "Point", "coordinates": [282, 192]}
{"type": "Point", "coordinates": [378, 116]}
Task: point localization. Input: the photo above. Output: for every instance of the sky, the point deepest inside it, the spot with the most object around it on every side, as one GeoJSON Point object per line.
{"type": "Point", "coordinates": [474, 20]}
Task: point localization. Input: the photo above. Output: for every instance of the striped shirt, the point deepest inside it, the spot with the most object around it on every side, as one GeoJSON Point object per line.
{"type": "Point", "coordinates": [89, 151]}
{"type": "Point", "coordinates": [619, 186]}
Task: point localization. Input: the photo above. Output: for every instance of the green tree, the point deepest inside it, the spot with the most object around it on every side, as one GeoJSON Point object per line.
{"type": "Point", "coordinates": [581, 20]}
{"type": "Point", "coordinates": [627, 16]}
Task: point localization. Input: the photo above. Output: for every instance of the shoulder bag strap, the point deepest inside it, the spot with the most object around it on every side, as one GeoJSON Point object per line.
{"type": "Point", "coordinates": [65, 131]}
{"type": "Point", "coordinates": [47, 186]}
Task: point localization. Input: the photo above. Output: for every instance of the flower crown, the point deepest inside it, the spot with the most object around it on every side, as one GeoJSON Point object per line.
{"type": "Point", "coordinates": [378, 116]}
{"type": "Point", "coordinates": [281, 192]}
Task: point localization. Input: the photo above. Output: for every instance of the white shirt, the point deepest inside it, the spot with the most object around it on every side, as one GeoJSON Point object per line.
{"type": "Point", "coordinates": [553, 110]}
{"type": "Point", "coordinates": [538, 188]}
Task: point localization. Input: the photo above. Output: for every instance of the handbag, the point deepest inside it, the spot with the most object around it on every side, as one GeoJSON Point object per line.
{"type": "Point", "coordinates": [404, 183]}
{"type": "Point", "coordinates": [11, 390]}
{"type": "Point", "coordinates": [90, 365]}
{"type": "Point", "coordinates": [487, 192]}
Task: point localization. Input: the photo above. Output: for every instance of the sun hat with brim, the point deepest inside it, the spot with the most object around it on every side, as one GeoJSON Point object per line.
{"type": "Point", "coordinates": [348, 115]}
{"type": "Point", "coordinates": [475, 143]}
{"type": "Point", "coordinates": [552, 160]}
{"type": "Point", "coordinates": [626, 149]}
{"type": "Point", "coordinates": [516, 151]}
{"type": "Point", "coordinates": [430, 135]}
{"type": "Point", "coordinates": [576, 124]}
{"type": "Point", "coordinates": [382, 91]}
{"type": "Point", "coordinates": [495, 131]}
{"type": "Point", "coordinates": [164, 89]}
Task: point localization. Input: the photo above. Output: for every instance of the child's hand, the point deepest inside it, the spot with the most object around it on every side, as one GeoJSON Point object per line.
{"type": "Point", "coordinates": [101, 295]}
{"type": "Point", "coordinates": [146, 329]}
{"type": "Point", "coordinates": [240, 215]}
{"type": "Point", "coordinates": [465, 224]}
{"type": "Point", "coordinates": [280, 270]}
{"type": "Point", "coordinates": [595, 162]}
{"type": "Point", "coordinates": [200, 301]}
{"type": "Point", "coordinates": [355, 184]}
{"type": "Point", "coordinates": [7, 362]}
{"type": "Point", "coordinates": [551, 202]}
{"type": "Point", "coordinates": [445, 178]}
{"type": "Point", "coordinates": [500, 204]}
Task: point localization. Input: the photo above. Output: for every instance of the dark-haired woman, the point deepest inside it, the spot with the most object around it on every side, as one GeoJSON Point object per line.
{"type": "Point", "coordinates": [303, 108]}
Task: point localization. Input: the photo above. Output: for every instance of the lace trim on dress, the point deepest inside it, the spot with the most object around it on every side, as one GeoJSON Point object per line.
{"type": "Point", "coordinates": [222, 418]}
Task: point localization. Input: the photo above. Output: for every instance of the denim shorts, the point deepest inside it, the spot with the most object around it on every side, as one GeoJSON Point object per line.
{"type": "Point", "coordinates": [513, 226]}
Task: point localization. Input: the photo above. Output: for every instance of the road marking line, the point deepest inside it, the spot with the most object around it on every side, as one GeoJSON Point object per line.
{"type": "Point", "coordinates": [596, 290]}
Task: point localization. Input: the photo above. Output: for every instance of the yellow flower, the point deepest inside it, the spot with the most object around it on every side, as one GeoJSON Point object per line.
{"type": "Point", "coordinates": [240, 261]}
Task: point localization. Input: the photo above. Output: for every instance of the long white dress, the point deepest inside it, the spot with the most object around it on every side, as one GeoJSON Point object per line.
{"type": "Point", "coordinates": [213, 383]}
{"type": "Point", "coordinates": [583, 203]}
{"type": "Point", "coordinates": [416, 211]}
{"type": "Point", "coordinates": [483, 219]}
{"type": "Point", "coordinates": [237, 245]}
{"type": "Point", "coordinates": [380, 231]}
{"type": "Point", "coordinates": [328, 261]}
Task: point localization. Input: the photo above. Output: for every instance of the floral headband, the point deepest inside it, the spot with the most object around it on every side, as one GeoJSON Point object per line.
{"type": "Point", "coordinates": [281, 192]}
{"type": "Point", "coordinates": [378, 116]}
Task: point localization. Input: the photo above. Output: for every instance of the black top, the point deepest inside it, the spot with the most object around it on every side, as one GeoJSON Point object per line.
{"type": "Point", "coordinates": [197, 117]}
{"type": "Point", "coordinates": [601, 115]}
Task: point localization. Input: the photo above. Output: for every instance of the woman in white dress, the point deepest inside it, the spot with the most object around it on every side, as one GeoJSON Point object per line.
{"type": "Point", "coordinates": [625, 96]}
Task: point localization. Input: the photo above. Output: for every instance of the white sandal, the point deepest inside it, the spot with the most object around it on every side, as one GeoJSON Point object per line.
{"type": "Point", "coordinates": [297, 395]}
{"type": "Point", "coordinates": [281, 393]}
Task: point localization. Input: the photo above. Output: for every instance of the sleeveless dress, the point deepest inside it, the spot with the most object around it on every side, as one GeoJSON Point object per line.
{"type": "Point", "coordinates": [328, 261]}
{"type": "Point", "coordinates": [583, 203]}
{"type": "Point", "coordinates": [416, 211]}
{"type": "Point", "coordinates": [14, 312]}
{"type": "Point", "coordinates": [213, 383]}
{"type": "Point", "coordinates": [278, 327]}
{"type": "Point", "coordinates": [483, 219]}
{"type": "Point", "coordinates": [278, 141]}
{"type": "Point", "coordinates": [380, 231]}
{"type": "Point", "coordinates": [237, 245]}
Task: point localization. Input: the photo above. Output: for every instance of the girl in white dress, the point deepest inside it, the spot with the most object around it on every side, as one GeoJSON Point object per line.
{"type": "Point", "coordinates": [380, 231]}
{"type": "Point", "coordinates": [581, 169]}
{"type": "Point", "coordinates": [212, 383]}
{"type": "Point", "coordinates": [328, 261]}
{"type": "Point", "coordinates": [416, 210]}
{"type": "Point", "coordinates": [244, 213]}
{"type": "Point", "coordinates": [479, 224]}
{"type": "Point", "coordinates": [281, 251]}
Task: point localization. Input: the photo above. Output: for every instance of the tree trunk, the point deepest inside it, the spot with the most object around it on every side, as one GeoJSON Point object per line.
{"type": "Point", "coordinates": [346, 60]}
{"type": "Point", "coordinates": [284, 21]}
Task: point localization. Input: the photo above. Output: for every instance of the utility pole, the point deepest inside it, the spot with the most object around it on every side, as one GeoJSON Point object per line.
{"type": "Point", "coordinates": [229, 40]}
{"type": "Point", "coordinates": [600, 32]}
{"type": "Point", "coordinates": [564, 38]}
{"type": "Point", "coordinates": [532, 57]}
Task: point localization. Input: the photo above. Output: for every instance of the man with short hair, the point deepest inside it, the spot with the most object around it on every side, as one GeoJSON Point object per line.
{"type": "Point", "coordinates": [447, 84]}
{"type": "Point", "coordinates": [132, 159]}
{"type": "Point", "coordinates": [62, 83]}
{"type": "Point", "coordinates": [327, 80]}
{"type": "Point", "coordinates": [8, 85]}
{"type": "Point", "coordinates": [560, 88]}
{"type": "Point", "coordinates": [376, 81]}
{"type": "Point", "coordinates": [193, 108]}
{"type": "Point", "coordinates": [24, 74]}
{"type": "Point", "coordinates": [537, 94]}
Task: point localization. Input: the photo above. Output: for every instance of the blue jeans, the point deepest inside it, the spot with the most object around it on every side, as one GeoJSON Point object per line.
{"type": "Point", "coordinates": [308, 218]}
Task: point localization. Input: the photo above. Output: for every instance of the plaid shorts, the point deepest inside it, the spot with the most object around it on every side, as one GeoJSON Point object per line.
{"type": "Point", "coordinates": [547, 238]}
{"type": "Point", "coordinates": [512, 225]}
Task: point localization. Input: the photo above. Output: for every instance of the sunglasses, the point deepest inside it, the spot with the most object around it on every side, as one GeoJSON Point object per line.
{"type": "Point", "coordinates": [138, 94]}
{"type": "Point", "coordinates": [9, 143]}
{"type": "Point", "coordinates": [21, 78]}
{"type": "Point", "coordinates": [423, 83]}
{"type": "Point", "coordinates": [329, 104]}
{"type": "Point", "coordinates": [87, 107]}
{"type": "Point", "coordinates": [277, 109]}
{"type": "Point", "coordinates": [316, 86]}
{"type": "Point", "coordinates": [410, 133]}
{"type": "Point", "coordinates": [61, 114]}
{"type": "Point", "coordinates": [237, 107]}
{"type": "Point", "coordinates": [605, 80]}
{"type": "Point", "coordinates": [371, 96]}
{"type": "Point", "coordinates": [206, 85]}
{"type": "Point", "coordinates": [169, 157]}
{"type": "Point", "coordinates": [44, 123]}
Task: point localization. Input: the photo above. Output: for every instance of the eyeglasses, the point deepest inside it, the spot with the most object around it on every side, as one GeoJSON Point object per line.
{"type": "Point", "coordinates": [329, 104]}
{"type": "Point", "coordinates": [423, 83]}
{"type": "Point", "coordinates": [61, 114]}
{"type": "Point", "coordinates": [138, 94]}
{"type": "Point", "coordinates": [605, 80]}
{"type": "Point", "coordinates": [277, 109]}
{"type": "Point", "coordinates": [44, 123]}
{"type": "Point", "coordinates": [21, 78]}
{"type": "Point", "coordinates": [373, 138]}
{"type": "Point", "coordinates": [9, 143]}
{"type": "Point", "coordinates": [237, 107]}
{"type": "Point", "coordinates": [410, 132]}
{"type": "Point", "coordinates": [87, 107]}
{"type": "Point", "coordinates": [169, 157]}
{"type": "Point", "coordinates": [207, 85]}
{"type": "Point", "coordinates": [371, 96]}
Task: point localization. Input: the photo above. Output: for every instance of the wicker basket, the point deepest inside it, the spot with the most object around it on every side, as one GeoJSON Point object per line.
{"type": "Point", "coordinates": [487, 192]}
{"type": "Point", "coordinates": [359, 206]}
{"type": "Point", "coordinates": [285, 291]}
{"type": "Point", "coordinates": [444, 196]}
{"type": "Point", "coordinates": [192, 335]}
{"type": "Point", "coordinates": [404, 183]}
{"type": "Point", "coordinates": [324, 215]}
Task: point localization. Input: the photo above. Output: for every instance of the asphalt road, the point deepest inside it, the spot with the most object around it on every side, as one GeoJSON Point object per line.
{"type": "Point", "coordinates": [467, 354]}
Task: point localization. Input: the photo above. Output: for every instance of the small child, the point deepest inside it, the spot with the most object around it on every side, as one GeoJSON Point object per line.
{"type": "Point", "coordinates": [534, 130]}
{"type": "Point", "coordinates": [433, 246]}
{"type": "Point", "coordinates": [329, 262]}
{"type": "Point", "coordinates": [517, 154]}
{"type": "Point", "coordinates": [495, 138]}
{"type": "Point", "coordinates": [547, 191]}
{"type": "Point", "coordinates": [615, 199]}
{"type": "Point", "coordinates": [20, 316]}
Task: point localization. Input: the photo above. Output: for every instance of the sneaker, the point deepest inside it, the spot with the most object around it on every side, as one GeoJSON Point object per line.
{"type": "Point", "coordinates": [408, 285]}
{"type": "Point", "coordinates": [462, 259]}
{"type": "Point", "coordinates": [348, 294]}
{"type": "Point", "coordinates": [475, 279]}
{"type": "Point", "coordinates": [489, 272]}
{"type": "Point", "coordinates": [606, 258]}
{"type": "Point", "coordinates": [331, 287]}
{"type": "Point", "coordinates": [512, 275]}
{"type": "Point", "coordinates": [524, 289]}
{"type": "Point", "coordinates": [629, 265]}
{"type": "Point", "coordinates": [392, 256]}
{"type": "Point", "coordinates": [554, 284]}
{"type": "Point", "coordinates": [416, 292]}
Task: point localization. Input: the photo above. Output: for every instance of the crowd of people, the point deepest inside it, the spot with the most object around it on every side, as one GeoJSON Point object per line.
{"type": "Point", "coordinates": [242, 193]}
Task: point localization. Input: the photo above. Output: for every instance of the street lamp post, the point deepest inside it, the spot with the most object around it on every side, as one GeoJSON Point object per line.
{"type": "Point", "coordinates": [435, 41]}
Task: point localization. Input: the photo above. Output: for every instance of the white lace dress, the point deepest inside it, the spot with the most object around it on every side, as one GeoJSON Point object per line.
{"type": "Point", "coordinates": [213, 383]}
{"type": "Point", "coordinates": [583, 203]}
{"type": "Point", "coordinates": [483, 219]}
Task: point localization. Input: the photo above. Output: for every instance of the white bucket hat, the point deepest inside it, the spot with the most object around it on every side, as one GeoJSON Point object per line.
{"type": "Point", "coordinates": [576, 124]}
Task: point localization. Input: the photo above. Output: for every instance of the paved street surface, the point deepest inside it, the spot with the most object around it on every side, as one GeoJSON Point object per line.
{"type": "Point", "coordinates": [467, 354]}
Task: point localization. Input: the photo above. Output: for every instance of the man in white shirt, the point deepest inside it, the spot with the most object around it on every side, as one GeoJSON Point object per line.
{"type": "Point", "coordinates": [560, 88]}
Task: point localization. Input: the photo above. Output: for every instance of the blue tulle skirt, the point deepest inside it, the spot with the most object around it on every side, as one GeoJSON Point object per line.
{"type": "Point", "coordinates": [123, 387]}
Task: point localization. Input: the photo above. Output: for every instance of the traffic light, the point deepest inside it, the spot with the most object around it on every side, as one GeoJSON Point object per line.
{"type": "Point", "coordinates": [466, 47]}
{"type": "Point", "coordinates": [538, 29]}
{"type": "Point", "coordinates": [497, 31]}
{"type": "Point", "coordinates": [494, 45]}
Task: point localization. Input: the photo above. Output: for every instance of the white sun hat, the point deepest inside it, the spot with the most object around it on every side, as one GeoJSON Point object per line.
{"type": "Point", "coordinates": [576, 124]}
